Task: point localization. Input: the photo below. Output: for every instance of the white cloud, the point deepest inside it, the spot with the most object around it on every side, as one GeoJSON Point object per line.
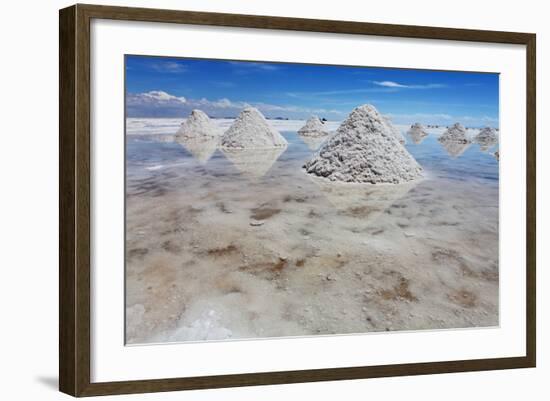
{"type": "Point", "coordinates": [392, 84]}
{"type": "Point", "coordinates": [159, 103]}
{"type": "Point", "coordinates": [244, 67]}
{"type": "Point", "coordinates": [442, 118]}
{"type": "Point", "coordinates": [435, 116]}
{"type": "Point", "coordinates": [162, 104]}
{"type": "Point", "coordinates": [154, 97]}
{"type": "Point", "coordinates": [169, 66]}
{"type": "Point", "coordinates": [389, 84]}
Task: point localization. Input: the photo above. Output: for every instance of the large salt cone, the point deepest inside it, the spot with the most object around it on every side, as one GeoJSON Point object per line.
{"type": "Point", "coordinates": [364, 150]}
{"type": "Point", "coordinates": [250, 130]}
{"type": "Point", "coordinates": [197, 125]}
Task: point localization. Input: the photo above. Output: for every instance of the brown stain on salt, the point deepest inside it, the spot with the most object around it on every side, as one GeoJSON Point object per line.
{"type": "Point", "coordinates": [400, 291]}
{"type": "Point", "coordinates": [277, 266]}
{"type": "Point", "coordinates": [263, 213]}
{"type": "Point", "coordinates": [138, 252]}
{"type": "Point", "coordinates": [464, 298]}
{"type": "Point", "coordinates": [280, 265]}
{"type": "Point", "coordinates": [227, 285]}
{"type": "Point", "coordinates": [358, 211]}
{"type": "Point", "coordinates": [223, 251]}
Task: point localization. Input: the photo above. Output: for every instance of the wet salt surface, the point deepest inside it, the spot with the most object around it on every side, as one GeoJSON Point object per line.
{"type": "Point", "coordinates": [247, 245]}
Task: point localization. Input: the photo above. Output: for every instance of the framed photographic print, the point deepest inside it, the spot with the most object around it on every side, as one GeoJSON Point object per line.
{"type": "Point", "coordinates": [250, 200]}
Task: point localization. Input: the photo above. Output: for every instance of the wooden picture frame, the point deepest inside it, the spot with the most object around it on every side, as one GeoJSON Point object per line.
{"type": "Point", "coordinates": [74, 199]}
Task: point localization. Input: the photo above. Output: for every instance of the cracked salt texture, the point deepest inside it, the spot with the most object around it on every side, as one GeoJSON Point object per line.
{"type": "Point", "coordinates": [364, 150]}
{"type": "Point", "coordinates": [251, 131]}
{"type": "Point", "coordinates": [314, 128]}
{"type": "Point", "coordinates": [197, 125]}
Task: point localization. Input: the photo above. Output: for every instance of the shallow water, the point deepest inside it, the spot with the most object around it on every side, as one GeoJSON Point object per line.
{"type": "Point", "coordinates": [245, 244]}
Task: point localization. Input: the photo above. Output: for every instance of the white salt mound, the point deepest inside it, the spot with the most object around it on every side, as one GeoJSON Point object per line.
{"type": "Point", "coordinates": [314, 127]}
{"type": "Point", "coordinates": [197, 125]}
{"type": "Point", "coordinates": [417, 132]}
{"type": "Point", "coordinates": [250, 130]}
{"type": "Point", "coordinates": [486, 135]}
{"type": "Point", "coordinates": [364, 150]}
{"type": "Point", "coordinates": [455, 133]}
{"type": "Point", "coordinates": [395, 131]}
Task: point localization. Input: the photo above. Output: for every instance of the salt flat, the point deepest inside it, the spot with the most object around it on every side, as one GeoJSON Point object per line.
{"type": "Point", "coordinates": [246, 246]}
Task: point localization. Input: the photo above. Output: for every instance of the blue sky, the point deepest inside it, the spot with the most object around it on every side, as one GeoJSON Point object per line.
{"type": "Point", "coordinates": [172, 87]}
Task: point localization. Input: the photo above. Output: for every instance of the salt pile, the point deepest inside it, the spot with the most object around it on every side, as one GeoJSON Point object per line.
{"type": "Point", "coordinates": [455, 133]}
{"type": "Point", "coordinates": [395, 131]}
{"type": "Point", "coordinates": [417, 132]}
{"type": "Point", "coordinates": [197, 125]}
{"type": "Point", "coordinates": [314, 127]}
{"type": "Point", "coordinates": [364, 150]}
{"type": "Point", "coordinates": [486, 138]}
{"type": "Point", "coordinates": [454, 140]}
{"type": "Point", "coordinates": [251, 131]}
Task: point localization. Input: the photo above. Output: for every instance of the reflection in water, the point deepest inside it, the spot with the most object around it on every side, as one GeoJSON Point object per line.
{"type": "Point", "coordinates": [417, 133]}
{"type": "Point", "coordinates": [486, 143]}
{"type": "Point", "coordinates": [455, 148]}
{"type": "Point", "coordinates": [363, 200]}
{"type": "Point", "coordinates": [417, 137]}
{"type": "Point", "coordinates": [253, 163]}
{"type": "Point", "coordinates": [313, 142]}
{"type": "Point", "coordinates": [202, 149]}
{"type": "Point", "coordinates": [147, 154]}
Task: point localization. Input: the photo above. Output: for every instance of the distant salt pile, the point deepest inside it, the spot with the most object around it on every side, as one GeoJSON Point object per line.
{"type": "Point", "coordinates": [364, 150]}
{"type": "Point", "coordinates": [454, 140]}
{"type": "Point", "coordinates": [486, 138]}
{"type": "Point", "coordinates": [417, 132]}
{"type": "Point", "coordinates": [455, 133]}
{"type": "Point", "coordinates": [314, 128]}
{"type": "Point", "coordinates": [395, 131]}
{"type": "Point", "coordinates": [251, 131]}
{"type": "Point", "coordinates": [197, 125]}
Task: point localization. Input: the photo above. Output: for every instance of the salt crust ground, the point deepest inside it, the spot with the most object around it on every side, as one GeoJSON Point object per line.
{"type": "Point", "coordinates": [213, 255]}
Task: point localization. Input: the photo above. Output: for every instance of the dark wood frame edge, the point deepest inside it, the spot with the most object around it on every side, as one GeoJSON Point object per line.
{"type": "Point", "coordinates": [74, 199]}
